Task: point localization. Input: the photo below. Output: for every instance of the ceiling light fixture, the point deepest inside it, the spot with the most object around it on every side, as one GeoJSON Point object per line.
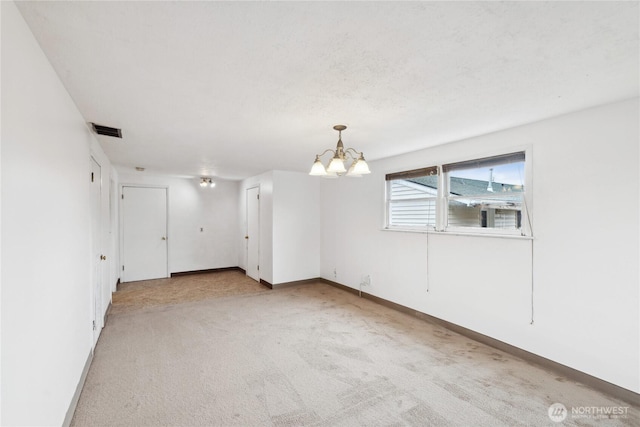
{"type": "Point", "coordinates": [207, 182]}
{"type": "Point", "coordinates": [336, 166]}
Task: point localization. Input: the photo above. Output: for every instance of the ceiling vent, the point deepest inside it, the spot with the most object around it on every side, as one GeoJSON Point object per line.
{"type": "Point", "coordinates": [106, 130]}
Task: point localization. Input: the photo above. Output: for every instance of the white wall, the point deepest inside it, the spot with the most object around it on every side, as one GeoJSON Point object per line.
{"type": "Point", "coordinates": [191, 208]}
{"type": "Point", "coordinates": [46, 230]}
{"type": "Point", "coordinates": [296, 227]}
{"type": "Point", "coordinates": [584, 206]}
{"type": "Point", "coordinates": [289, 225]}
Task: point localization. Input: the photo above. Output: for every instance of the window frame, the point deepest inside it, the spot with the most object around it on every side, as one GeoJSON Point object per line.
{"type": "Point", "coordinates": [443, 198]}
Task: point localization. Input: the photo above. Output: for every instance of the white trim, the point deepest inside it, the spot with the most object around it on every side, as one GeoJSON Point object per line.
{"type": "Point", "coordinates": [97, 276]}
{"type": "Point", "coordinates": [415, 229]}
{"type": "Point", "coordinates": [460, 233]}
{"type": "Point", "coordinates": [71, 410]}
{"type": "Point", "coordinates": [484, 230]}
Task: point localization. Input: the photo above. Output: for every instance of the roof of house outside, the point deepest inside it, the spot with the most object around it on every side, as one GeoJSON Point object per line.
{"type": "Point", "coordinates": [468, 187]}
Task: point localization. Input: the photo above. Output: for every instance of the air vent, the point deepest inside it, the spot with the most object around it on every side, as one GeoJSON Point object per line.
{"type": "Point", "coordinates": [106, 130]}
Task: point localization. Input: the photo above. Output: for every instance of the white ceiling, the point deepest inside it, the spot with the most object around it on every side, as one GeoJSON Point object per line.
{"type": "Point", "coordinates": [233, 89]}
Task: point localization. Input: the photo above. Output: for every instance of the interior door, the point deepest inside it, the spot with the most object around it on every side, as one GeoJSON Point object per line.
{"type": "Point", "coordinates": [144, 233]}
{"type": "Point", "coordinates": [96, 252]}
{"type": "Point", "coordinates": [253, 233]}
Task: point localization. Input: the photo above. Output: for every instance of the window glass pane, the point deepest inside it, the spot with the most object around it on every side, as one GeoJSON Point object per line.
{"type": "Point", "coordinates": [488, 197]}
{"type": "Point", "coordinates": [412, 201]}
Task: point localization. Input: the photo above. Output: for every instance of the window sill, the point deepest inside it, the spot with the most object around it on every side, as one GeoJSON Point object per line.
{"type": "Point", "coordinates": [460, 233]}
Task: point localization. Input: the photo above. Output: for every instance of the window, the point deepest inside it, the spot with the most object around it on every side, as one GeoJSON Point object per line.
{"type": "Point", "coordinates": [481, 195]}
{"type": "Point", "coordinates": [485, 193]}
{"type": "Point", "coordinates": [412, 198]}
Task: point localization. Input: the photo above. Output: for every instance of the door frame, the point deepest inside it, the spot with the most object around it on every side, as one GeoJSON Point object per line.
{"type": "Point", "coordinates": [97, 243]}
{"type": "Point", "coordinates": [121, 222]}
{"type": "Point", "coordinates": [114, 228]}
{"type": "Point", "coordinates": [246, 251]}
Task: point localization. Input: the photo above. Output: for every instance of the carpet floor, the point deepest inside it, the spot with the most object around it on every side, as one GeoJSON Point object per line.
{"type": "Point", "coordinates": [181, 289]}
{"type": "Point", "coordinates": [309, 355]}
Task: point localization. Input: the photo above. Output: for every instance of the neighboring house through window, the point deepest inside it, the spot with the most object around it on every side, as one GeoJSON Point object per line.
{"type": "Point", "coordinates": [412, 197]}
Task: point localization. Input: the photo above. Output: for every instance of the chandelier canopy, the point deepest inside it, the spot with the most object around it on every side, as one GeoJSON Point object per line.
{"type": "Point", "coordinates": [336, 166]}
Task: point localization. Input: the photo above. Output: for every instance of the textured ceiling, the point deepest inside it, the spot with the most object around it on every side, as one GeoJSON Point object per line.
{"type": "Point", "coordinates": [233, 89]}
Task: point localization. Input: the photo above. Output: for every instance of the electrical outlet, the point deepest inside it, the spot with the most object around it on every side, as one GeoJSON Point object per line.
{"type": "Point", "coordinates": [366, 280]}
{"type": "Point", "coordinates": [335, 273]}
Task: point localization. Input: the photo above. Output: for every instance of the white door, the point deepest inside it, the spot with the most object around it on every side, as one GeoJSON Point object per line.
{"type": "Point", "coordinates": [253, 232]}
{"type": "Point", "coordinates": [96, 250]}
{"type": "Point", "coordinates": [144, 233]}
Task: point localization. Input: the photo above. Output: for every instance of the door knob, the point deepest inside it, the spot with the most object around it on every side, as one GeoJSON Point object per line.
{"type": "Point", "coordinates": [164, 238]}
{"type": "Point", "coordinates": [103, 257]}
{"type": "Point", "coordinates": [246, 237]}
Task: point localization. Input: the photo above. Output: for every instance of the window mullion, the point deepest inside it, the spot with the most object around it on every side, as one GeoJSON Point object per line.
{"type": "Point", "coordinates": [441, 201]}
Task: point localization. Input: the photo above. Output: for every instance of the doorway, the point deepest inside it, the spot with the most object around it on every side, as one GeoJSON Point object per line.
{"type": "Point", "coordinates": [144, 233]}
{"type": "Point", "coordinates": [253, 233]}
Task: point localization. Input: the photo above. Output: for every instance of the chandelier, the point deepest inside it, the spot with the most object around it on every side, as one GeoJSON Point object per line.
{"type": "Point", "coordinates": [207, 182]}
{"type": "Point", "coordinates": [336, 166]}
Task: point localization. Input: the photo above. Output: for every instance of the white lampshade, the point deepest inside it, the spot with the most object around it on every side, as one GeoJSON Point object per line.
{"type": "Point", "coordinates": [318, 168]}
{"type": "Point", "coordinates": [360, 167]}
{"type": "Point", "coordinates": [336, 165]}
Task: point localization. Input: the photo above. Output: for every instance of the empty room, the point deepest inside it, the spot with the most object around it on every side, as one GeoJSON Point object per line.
{"type": "Point", "coordinates": [319, 213]}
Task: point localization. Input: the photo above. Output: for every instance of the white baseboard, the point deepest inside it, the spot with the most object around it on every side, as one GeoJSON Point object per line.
{"type": "Point", "coordinates": [76, 395]}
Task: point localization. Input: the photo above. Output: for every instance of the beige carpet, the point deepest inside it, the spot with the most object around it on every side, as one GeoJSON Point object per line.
{"type": "Point", "coordinates": [181, 289]}
{"type": "Point", "coordinates": [309, 355]}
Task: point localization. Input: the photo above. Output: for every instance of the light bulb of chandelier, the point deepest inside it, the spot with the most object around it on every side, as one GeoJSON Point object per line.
{"type": "Point", "coordinates": [360, 166]}
{"type": "Point", "coordinates": [336, 165]}
{"type": "Point", "coordinates": [203, 182]}
{"type": "Point", "coordinates": [318, 168]}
